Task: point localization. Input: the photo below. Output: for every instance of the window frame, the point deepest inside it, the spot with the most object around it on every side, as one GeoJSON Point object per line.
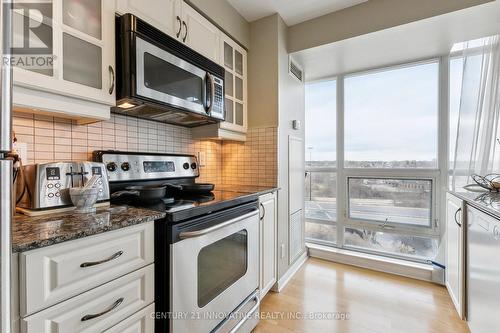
{"type": "Point", "coordinates": [438, 175]}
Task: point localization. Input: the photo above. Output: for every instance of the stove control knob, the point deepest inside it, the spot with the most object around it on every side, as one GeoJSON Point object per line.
{"type": "Point", "coordinates": [111, 166]}
{"type": "Point", "coordinates": [125, 166]}
{"type": "Point", "coordinates": [193, 166]}
{"type": "Point", "coordinates": [185, 166]}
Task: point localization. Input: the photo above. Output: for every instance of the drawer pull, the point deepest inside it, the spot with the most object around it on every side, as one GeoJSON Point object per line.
{"type": "Point", "coordinates": [94, 263]}
{"type": "Point", "coordinates": [111, 308]}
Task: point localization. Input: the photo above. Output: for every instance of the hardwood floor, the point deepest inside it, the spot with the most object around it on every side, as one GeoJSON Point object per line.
{"type": "Point", "coordinates": [375, 302]}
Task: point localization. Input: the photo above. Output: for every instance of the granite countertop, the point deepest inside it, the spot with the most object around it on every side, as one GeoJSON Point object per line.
{"type": "Point", "coordinates": [258, 190]}
{"type": "Point", "coordinates": [488, 202]}
{"type": "Point", "coordinates": [29, 233]}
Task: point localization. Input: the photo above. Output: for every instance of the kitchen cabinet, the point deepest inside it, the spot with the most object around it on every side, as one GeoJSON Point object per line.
{"type": "Point", "coordinates": [234, 61]}
{"type": "Point", "coordinates": [73, 267]}
{"type": "Point", "coordinates": [110, 275]}
{"type": "Point", "coordinates": [178, 20]}
{"type": "Point", "coordinates": [98, 309]}
{"type": "Point", "coordinates": [199, 33]}
{"type": "Point", "coordinates": [268, 242]}
{"type": "Point", "coordinates": [162, 14]}
{"type": "Point", "coordinates": [455, 252]}
{"type": "Point", "coordinates": [82, 40]}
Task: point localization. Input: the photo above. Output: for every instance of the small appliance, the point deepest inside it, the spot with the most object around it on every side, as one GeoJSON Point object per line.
{"type": "Point", "coordinates": [159, 78]}
{"type": "Point", "coordinates": [47, 185]}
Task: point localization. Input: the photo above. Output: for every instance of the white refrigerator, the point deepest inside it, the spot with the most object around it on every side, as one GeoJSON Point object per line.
{"type": "Point", "coordinates": [5, 170]}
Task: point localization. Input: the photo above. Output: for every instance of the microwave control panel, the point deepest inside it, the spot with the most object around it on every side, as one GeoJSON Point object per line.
{"type": "Point", "coordinates": [218, 107]}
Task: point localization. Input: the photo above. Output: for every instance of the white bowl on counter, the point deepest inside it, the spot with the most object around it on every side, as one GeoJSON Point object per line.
{"type": "Point", "coordinates": [84, 198]}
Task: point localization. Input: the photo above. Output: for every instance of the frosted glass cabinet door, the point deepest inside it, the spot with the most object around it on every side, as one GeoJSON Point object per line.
{"type": "Point", "coordinates": [82, 62]}
{"type": "Point", "coordinates": [84, 16]}
{"type": "Point", "coordinates": [235, 85]}
{"type": "Point", "coordinates": [83, 52]}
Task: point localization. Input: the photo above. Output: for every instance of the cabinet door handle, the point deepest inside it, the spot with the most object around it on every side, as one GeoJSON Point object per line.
{"type": "Point", "coordinates": [112, 86]}
{"type": "Point", "coordinates": [94, 263]}
{"type": "Point", "coordinates": [456, 220]}
{"type": "Point", "coordinates": [111, 308]}
{"type": "Point", "coordinates": [178, 33]}
{"type": "Point", "coordinates": [185, 34]}
{"type": "Point", "coordinates": [263, 212]}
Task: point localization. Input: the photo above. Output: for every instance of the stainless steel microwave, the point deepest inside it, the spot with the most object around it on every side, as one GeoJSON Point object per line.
{"type": "Point", "coordinates": [161, 79]}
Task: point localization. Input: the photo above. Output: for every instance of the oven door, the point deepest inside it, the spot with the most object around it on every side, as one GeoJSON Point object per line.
{"type": "Point", "coordinates": [166, 78]}
{"type": "Point", "coordinates": [213, 271]}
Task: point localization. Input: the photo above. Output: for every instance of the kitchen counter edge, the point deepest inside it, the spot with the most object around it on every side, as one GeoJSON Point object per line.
{"type": "Point", "coordinates": [30, 233]}
{"type": "Point", "coordinates": [479, 200]}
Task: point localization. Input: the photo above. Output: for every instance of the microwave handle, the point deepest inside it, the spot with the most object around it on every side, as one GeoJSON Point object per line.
{"type": "Point", "coordinates": [209, 85]}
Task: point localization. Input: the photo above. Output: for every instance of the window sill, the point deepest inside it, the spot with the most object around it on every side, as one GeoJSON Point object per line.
{"type": "Point", "coordinates": [400, 267]}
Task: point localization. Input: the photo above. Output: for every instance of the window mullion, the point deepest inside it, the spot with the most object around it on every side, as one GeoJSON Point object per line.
{"type": "Point", "coordinates": [341, 180]}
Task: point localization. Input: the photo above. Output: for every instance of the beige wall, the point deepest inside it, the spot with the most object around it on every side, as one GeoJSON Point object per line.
{"type": "Point", "coordinates": [367, 17]}
{"type": "Point", "coordinates": [226, 17]}
{"type": "Point", "coordinates": [263, 73]}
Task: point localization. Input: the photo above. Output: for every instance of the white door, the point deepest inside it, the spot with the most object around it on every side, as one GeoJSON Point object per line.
{"type": "Point", "coordinates": [162, 14]}
{"type": "Point", "coordinates": [455, 251]}
{"type": "Point", "coordinates": [268, 243]}
{"type": "Point", "coordinates": [199, 34]}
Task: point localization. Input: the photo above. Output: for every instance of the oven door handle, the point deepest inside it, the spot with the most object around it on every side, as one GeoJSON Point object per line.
{"type": "Point", "coordinates": [197, 233]}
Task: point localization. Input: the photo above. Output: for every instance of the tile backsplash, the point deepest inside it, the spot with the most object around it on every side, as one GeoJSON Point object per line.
{"type": "Point", "coordinates": [55, 139]}
{"type": "Point", "coordinates": [253, 162]}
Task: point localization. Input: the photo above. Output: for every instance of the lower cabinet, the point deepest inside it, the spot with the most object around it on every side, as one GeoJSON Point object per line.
{"type": "Point", "coordinates": [100, 283]}
{"type": "Point", "coordinates": [268, 242]}
{"type": "Point", "coordinates": [140, 322]}
{"type": "Point", "coordinates": [98, 309]}
{"type": "Point", "coordinates": [455, 252]}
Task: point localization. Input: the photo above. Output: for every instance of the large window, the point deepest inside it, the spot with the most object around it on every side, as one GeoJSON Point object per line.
{"type": "Point", "coordinates": [381, 196]}
{"type": "Point", "coordinates": [391, 118]}
{"type": "Point", "coordinates": [321, 177]}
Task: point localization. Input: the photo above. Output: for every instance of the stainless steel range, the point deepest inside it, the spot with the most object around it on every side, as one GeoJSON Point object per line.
{"type": "Point", "coordinates": [206, 248]}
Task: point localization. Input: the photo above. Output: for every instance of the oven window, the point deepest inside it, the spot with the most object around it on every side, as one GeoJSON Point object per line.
{"type": "Point", "coordinates": [164, 77]}
{"type": "Point", "coordinates": [221, 264]}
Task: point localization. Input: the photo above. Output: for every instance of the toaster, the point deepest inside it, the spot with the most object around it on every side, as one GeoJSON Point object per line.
{"type": "Point", "coordinates": [46, 185]}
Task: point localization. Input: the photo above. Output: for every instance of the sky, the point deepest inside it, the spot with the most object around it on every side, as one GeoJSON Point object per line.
{"type": "Point", "coordinates": [389, 115]}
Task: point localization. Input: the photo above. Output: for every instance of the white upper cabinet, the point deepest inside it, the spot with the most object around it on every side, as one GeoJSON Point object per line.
{"type": "Point", "coordinates": [234, 60]}
{"type": "Point", "coordinates": [235, 63]}
{"type": "Point", "coordinates": [82, 34]}
{"type": "Point", "coordinates": [179, 20]}
{"type": "Point", "coordinates": [162, 14]}
{"type": "Point", "coordinates": [200, 34]}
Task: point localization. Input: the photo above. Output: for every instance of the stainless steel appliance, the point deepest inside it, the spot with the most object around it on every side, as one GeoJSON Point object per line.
{"type": "Point", "coordinates": [483, 272]}
{"type": "Point", "coordinates": [206, 248]}
{"type": "Point", "coordinates": [161, 79]}
{"type": "Point", "coordinates": [47, 185]}
{"type": "Point", "coordinates": [6, 170]}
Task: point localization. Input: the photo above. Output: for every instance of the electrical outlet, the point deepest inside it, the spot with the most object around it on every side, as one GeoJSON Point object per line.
{"type": "Point", "coordinates": [202, 158]}
{"type": "Point", "coordinates": [21, 148]}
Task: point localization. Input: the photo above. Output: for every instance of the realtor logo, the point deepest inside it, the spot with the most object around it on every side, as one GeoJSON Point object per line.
{"type": "Point", "coordinates": [32, 35]}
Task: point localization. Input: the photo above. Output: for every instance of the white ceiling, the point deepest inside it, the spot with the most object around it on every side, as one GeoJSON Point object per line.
{"type": "Point", "coordinates": [292, 11]}
{"type": "Point", "coordinates": [417, 40]}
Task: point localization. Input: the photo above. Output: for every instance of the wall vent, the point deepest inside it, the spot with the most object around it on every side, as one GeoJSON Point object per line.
{"type": "Point", "coordinates": [295, 70]}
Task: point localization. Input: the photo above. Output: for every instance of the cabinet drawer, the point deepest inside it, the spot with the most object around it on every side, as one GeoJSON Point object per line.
{"type": "Point", "coordinates": [98, 309]}
{"type": "Point", "coordinates": [55, 273]}
{"type": "Point", "coordinates": [140, 322]}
